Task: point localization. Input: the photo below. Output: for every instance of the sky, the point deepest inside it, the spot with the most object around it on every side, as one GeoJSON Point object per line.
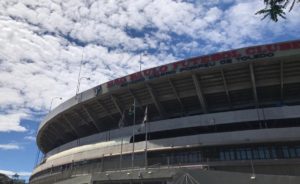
{"type": "Point", "coordinates": [43, 42]}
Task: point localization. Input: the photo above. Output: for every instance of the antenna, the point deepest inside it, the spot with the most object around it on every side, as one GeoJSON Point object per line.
{"type": "Point", "coordinates": [140, 61]}
{"type": "Point", "coordinates": [79, 73]}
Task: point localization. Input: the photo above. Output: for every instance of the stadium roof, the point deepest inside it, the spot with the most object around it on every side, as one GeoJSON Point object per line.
{"type": "Point", "coordinates": [258, 76]}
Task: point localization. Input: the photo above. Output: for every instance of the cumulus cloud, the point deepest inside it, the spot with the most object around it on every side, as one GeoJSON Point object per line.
{"type": "Point", "coordinates": [11, 122]}
{"type": "Point", "coordinates": [11, 173]}
{"type": "Point", "coordinates": [42, 43]}
{"type": "Point", "coordinates": [9, 146]}
{"type": "Point", "coordinates": [30, 138]}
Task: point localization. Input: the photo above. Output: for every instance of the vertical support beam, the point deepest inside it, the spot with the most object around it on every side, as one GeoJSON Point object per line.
{"type": "Point", "coordinates": [117, 104]}
{"type": "Point", "coordinates": [71, 125]}
{"type": "Point", "coordinates": [281, 81]}
{"type": "Point", "coordinates": [85, 121]}
{"type": "Point", "coordinates": [105, 109]}
{"type": "Point", "coordinates": [80, 116]}
{"type": "Point", "coordinates": [91, 117]}
{"type": "Point", "coordinates": [199, 93]}
{"type": "Point", "coordinates": [253, 84]}
{"type": "Point", "coordinates": [48, 136]}
{"type": "Point", "coordinates": [56, 133]}
{"type": "Point", "coordinates": [176, 94]}
{"type": "Point", "coordinates": [226, 88]}
{"type": "Point", "coordinates": [155, 101]}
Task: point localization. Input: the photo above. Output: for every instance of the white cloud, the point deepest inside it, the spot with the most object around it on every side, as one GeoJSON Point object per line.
{"type": "Point", "coordinates": [10, 146]}
{"type": "Point", "coordinates": [30, 138]}
{"type": "Point", "coordinates": [213, 14]}
{"type": "Point", "coordinates": [41, 43]}
{"type": "Point", "coordinates": [11, 122]}
{"type": "Point", "coordinates": [11, 173]}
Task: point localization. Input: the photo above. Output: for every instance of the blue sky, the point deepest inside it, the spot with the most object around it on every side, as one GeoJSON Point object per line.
{"type": "Point", "coordinates": [43, 41]}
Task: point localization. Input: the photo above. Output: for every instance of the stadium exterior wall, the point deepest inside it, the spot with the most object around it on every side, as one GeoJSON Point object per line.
{"type": "Point", "coordinates": [251, 136]}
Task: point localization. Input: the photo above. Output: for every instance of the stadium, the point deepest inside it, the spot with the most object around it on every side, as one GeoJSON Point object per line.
{"type": "Point", "coordinates": [229, 117]}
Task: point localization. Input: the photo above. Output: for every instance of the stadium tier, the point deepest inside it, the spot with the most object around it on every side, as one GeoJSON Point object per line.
{"type": "Point", "coordinates": [229, 117]}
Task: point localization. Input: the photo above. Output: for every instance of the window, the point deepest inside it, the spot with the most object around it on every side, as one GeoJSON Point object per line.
{"type": "Point", "coordinates": [267, 153]}
{"type": "Point", "coordinates": [227, 155]}
{"type": "Point", "coordinates": [249, 153]}
{"type": "Point", "coordinates": [222, 156]}
{"type": "Point", "coordinates": [232, 155]}
{"type": "Point", "coordinates": [273, 152]}
{"type": "Point", "coordinates": [255, 153]}
{"type": "Point", "coordinates": [238, 154]}
{"type": "Point", "coordinates": [285, 152]}
{"type": "Point", "coordinates": [200, 158]}
{"type": "Point", "coordinates": [261, 153]}
{"type": "Point", "coordinates": [292, 152]}
{"type": "Point", "coordinates": [298, 151]}
{"type": "Point", "coordinates": [192, 157]}
{"type": "Point", "coordinates": [244, 154]}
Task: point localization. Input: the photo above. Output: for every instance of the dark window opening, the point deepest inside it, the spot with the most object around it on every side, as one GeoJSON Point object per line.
{"type": "Point", "coordinates": [230, 127]}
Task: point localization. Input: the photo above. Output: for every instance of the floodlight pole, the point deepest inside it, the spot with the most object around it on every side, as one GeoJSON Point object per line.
{"type": "Point", "coordinates": [140, 61]}
{"type": "Point", "coordinates": [79, 78]}
{"type": "Point", "coordinates": [38, 150]}
{"type": "Point", "coordinates": [79, 73]}
{"type": "Point", "coordinates": [57, 97]}
{"type": "Point", "coordinates": [78, 84]}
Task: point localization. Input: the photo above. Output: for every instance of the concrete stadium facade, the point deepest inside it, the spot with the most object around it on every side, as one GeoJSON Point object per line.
{"type": "Point", "coordinates": [231, 117]}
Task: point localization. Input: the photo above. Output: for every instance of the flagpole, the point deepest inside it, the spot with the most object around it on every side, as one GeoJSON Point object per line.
{"type": "Point", "coordinates": [144, 124]}
{"type": "Point", "coordinates": [121, 124]}
{"type": "Point", "coordinates": [121, 154]}
{"type": "Point", "coordinates": [146, 145]}
{"type": "Point", "coordinates": [133, 134]}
